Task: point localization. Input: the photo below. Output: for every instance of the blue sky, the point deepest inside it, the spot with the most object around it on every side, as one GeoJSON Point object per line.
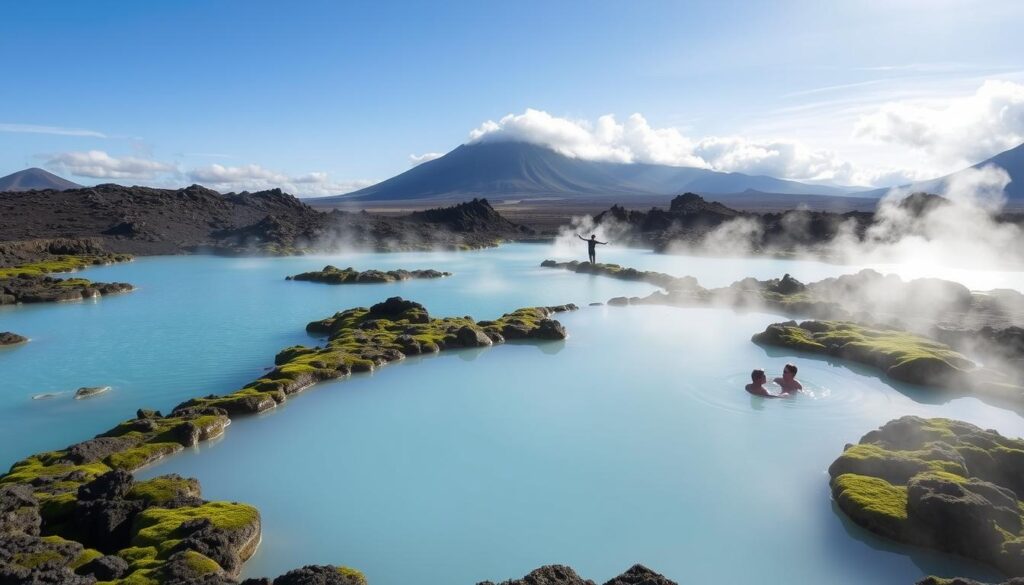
{"type": "Point", "coordinates": [321, 96]}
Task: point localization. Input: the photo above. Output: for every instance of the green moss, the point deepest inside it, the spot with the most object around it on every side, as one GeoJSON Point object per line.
{"type": "Point", "coordinates": [33, 560]}
{"type": "Point", "coordinates": [66, 263]}
{"type": "Point", "coordinates": [200, 564]}
{"type": "Point", "coordinates": [138, 577]}
{"type": "Point", "coordinates": [84, 557]}
{"type": "Point", "coordinates": [165, 488]}
{"type": "Point", "coordinates": [34, 468]}
{"type": "Point", "coordinates": [872, 501]}
{"type": "Point", "coordinates": [155, 526]}
{"type": "Point", "coordinates": [352, 574]}
{"type": "Point", "coordinates": [137, 553]}
{"type": "Point", "coordinates": [134, 458]}
{"type": "Point", "coordinates": [901, 355]}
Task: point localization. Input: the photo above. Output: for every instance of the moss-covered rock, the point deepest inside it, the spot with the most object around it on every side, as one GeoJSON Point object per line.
{"type": "Point", "coordinates": [665, 281]}
{"type": "Point", "coordinates": [900, 355]}
{"type": "Point", "coordinates": [923, 482]}
{"type": "Point", "coordinates": [363, 339]}
{"type": "Point", "coordinates": [333, 275]}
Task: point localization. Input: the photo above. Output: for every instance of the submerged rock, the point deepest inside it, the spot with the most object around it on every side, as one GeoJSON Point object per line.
{"type": "Point", "coordinates": [90, 391]}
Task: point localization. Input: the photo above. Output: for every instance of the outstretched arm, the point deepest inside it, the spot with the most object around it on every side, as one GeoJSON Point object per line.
{"type": "Point", "coordinates": [581, 237]}
{"type": "Point", "coordinates": [603, 243]}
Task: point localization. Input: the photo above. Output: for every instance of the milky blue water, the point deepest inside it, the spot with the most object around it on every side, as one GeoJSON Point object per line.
{"type": "Point", "coordinates": [632, 441]}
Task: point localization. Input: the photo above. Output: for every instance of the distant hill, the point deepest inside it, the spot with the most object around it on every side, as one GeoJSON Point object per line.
{"type": "Point", "coordinates": [1012, 161]}
{"type": "Point", "coordinates": [522, 170]}
{"type": "Point", "coordinates": [35, 179]}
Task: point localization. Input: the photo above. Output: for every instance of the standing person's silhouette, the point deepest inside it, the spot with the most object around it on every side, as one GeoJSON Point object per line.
{"type": "Point", "coordinates": [592, 246]}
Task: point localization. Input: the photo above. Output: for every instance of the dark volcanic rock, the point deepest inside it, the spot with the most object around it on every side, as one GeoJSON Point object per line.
{"type": "Point", "coordinates": [47, 289]}
{"type": "Point", "coordinates": [320, 575]}
{"type": "Point", "coordinates": [217, 544]}
{"type": "Point", "coordinates": [938, 483]}
{"type": "Point", "coordinates": [146, 221]}
{"type": "Point", "coordinates": [19, 510]}
{"type": "Point", "coordinates": [19, 555]}
{"type": "Point", "coordinates": [97, 449]}
{"type": "Point", "coordinates": [105, 568]}
{"type": "Point", "coordinates": [640, 575]}
{"type": "Point", "coordinates": [547, 575]}
{"type": "Point", "coordinates": [562, 575]}
{"type": "Point", "coordinates": [8, 338]}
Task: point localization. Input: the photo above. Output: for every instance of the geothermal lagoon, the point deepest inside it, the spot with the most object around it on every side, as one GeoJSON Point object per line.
{"type": "Point", "coordinates": [631, 441]}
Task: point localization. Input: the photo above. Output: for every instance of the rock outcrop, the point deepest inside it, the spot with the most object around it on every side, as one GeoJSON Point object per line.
{"type": "Point", "coordinates": [563, 575]}
{"type": "Point", "coordinates": [10, 338]}
{"type": "Point", "coordinates": [147, 221]}
{"type": "Point", "coordinates": [361, 340]}
{"type": "Point", "coordinates": [333, 275]}
{"type": "Point", "coordinates": [937, 483]}
{"type": "Point", "coordinates": [900, 355]}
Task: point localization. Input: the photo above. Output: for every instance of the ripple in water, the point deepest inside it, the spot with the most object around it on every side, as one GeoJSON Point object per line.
{"type": "Point", "coordinates": [821, 394]}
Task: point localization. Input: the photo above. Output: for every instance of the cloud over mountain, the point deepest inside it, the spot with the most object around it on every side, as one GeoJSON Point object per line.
{"type": "Point", "coordinates": [634, 140]}
{"type": "Point", "coordinates": [100, 165]}
{"type": "Point", "coordinates": [961, 130]}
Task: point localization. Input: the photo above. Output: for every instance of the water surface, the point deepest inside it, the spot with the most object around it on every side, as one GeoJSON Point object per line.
{"type": "Point", "coordinates": [632, 441]}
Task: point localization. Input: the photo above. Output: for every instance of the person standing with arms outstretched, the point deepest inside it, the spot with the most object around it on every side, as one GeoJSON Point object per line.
{"type": "Point", "coordinates": [592, 246]}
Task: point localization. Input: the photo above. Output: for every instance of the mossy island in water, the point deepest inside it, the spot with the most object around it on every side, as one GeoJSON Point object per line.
{"type": "Point", "coordinates": [900, 355]}
{"type": "Point", "coordinates": [78, 516]}
{"type": "Point", "coordinates": [361, 339]}
{"type": "Point", "coordinates": [30, 283]}
{"type": "Point", "coordinates": [333, 275]}
{"type": "Point", "coordinates": [937, 483]}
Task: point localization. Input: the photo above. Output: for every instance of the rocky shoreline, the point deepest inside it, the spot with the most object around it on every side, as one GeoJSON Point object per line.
{"type": "Point", "coordinates": [940, 484]}
{"type": "Point", "coordinates": [149, 221]}
{"type": "Point", "coordinates": [77, 515]}
{"type": "Point", "coordinates": [29, 282]}
{"type": "Point", "coordinates": [986, 322]}
{"type": "Point", "coordinates": [333, 275]}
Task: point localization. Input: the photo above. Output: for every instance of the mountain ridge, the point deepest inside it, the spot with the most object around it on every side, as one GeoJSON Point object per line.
{"type": "Point", "coordinates": [35, 179]}
{"type": "Point", "coordinates": [520, 169]}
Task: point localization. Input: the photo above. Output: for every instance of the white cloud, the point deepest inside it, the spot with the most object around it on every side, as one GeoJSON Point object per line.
{"type": "Point", "coordinates": [100, 165]}
{"type": "Point", "coordinates": [957, 131]}
{"type": "Point", "coordinates": [418, 159]}
{"type": "Point", "coordinates": [256, 178]}
{"type": "Point", "coordinates": [636, 141]}
{"type": "Point", "coordinates": [57, 130]}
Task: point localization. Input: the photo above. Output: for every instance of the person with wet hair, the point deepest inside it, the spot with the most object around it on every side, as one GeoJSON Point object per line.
{"type": "Point", "coordinates": [592, 246]}
{"type": "Point", "coordinates": [757, 381]}
{"type": "Point", "coordinates": [788, 381]}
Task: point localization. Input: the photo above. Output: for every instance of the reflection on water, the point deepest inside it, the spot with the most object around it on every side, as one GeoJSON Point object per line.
{"type": "Point", "coordinates": [632, 441]}
{"type": "Point", "coordinates": [635, 443]}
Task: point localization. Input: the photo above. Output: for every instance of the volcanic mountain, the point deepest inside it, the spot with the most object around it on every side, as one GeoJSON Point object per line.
{"type": "Point", "coordinates": [523, 170]}
{"type": "Point", "coordinates": [35, 179]}
{"type": "Point", "coordinates": [1011, 161]}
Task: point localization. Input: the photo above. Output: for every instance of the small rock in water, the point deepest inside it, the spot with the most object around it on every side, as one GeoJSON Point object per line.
{"type": "Point", "coordinates": [90, 391]}
{"type": "Point", "coordinates": [46, 395]}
